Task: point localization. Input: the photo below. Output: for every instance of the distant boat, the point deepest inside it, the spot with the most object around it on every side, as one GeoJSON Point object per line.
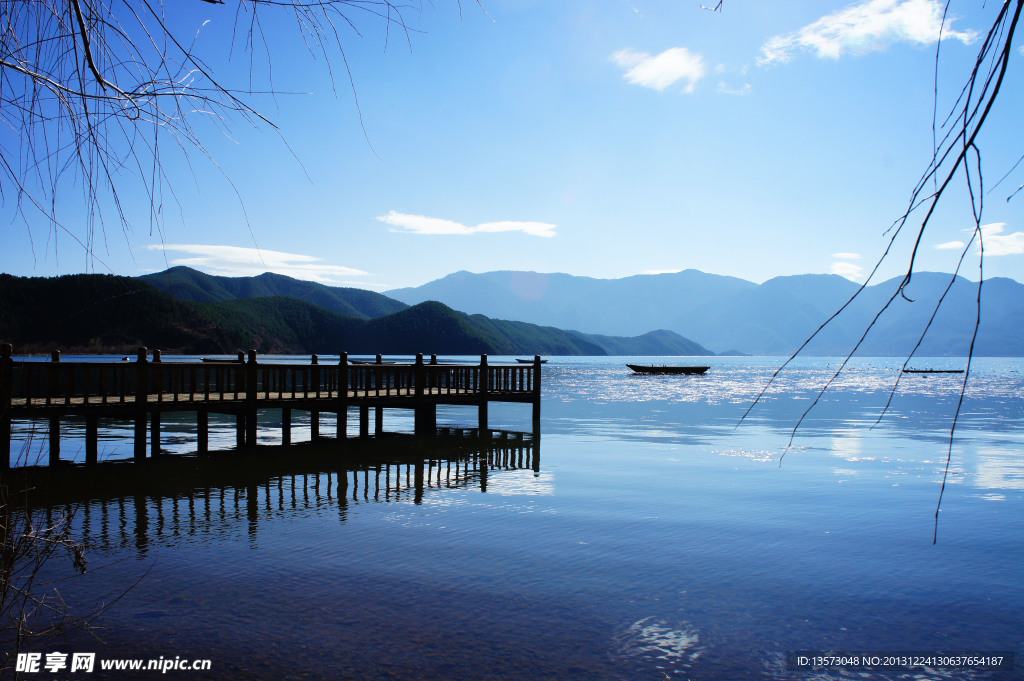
{"type": "Point", "coordinates": [933, 371]}
{"type": "Point", "coordinates": [218, 359]}
{"type": "Point", "coordinates": [649, 369]}
{"type": "Point", "coordinates": [529, 361]}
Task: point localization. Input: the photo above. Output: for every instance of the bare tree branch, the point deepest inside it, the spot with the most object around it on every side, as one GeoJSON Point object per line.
{"type": "Point", "coordinates": [95, 93]}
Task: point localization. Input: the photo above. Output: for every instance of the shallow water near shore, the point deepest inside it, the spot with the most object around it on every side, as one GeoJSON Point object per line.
{"type": "Point", "coordinates": [648, 535]}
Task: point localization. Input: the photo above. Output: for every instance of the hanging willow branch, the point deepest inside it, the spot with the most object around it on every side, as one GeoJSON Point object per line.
{"type": "Point", "coordinates": [955, 155]}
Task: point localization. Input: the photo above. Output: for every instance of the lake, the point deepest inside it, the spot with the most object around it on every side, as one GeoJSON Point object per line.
{"type": "Point", "coordinates": [649, 534]}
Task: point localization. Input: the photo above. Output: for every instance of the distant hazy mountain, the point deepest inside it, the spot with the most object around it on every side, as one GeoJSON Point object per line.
{"type": "Point", "coordinates": [185, 283]}
{"type": "Point", "coordinates": [103, 313]}
{"type": "Point", "coordinates": [630, 306]}
{"type": "Point", "coordinates": [728, 313]}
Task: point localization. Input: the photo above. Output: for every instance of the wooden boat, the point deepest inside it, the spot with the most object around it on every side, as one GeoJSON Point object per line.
{"type": "Point", "coordinates": [933, 371]}
{"type": "Point", "coordinates": [650, 369]}
{"type": "Point", "coordinates": [529, 361]}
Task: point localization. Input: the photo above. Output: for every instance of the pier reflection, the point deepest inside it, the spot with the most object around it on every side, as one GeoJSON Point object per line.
{"type": "Point", "coordinates": [163, 502]}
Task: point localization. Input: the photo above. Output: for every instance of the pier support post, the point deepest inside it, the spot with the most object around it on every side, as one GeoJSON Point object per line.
{"type": "Point", "coordinates": [240, 431]}
{"type": "Point", "coordinates": [378, 421]}
{"type": "Point", "coordinates": [425, 419]}
{"type": "Point", "coordinates": [92, 449]}
{"type": "Point", "coordinates": [54, 440]}
{"type": "Point", "coordinates": [203, 426]}
{"type": "Point", "coordinates": [314, 424]}
{"type": "Point", "coordinates": [251, 387]}
{"type": "Point", "coordinates": [6, 393]}
{"type": "Point", "coordinates": [364, 421]}
{"type": "Point", "coordinates": [286, 426]}
{"type": "Point", "coordinates": [483, 384]}
{"type": "Point", "coordinates": [141, 403]}
{"type": "Point", "coordinates": [154, 435]}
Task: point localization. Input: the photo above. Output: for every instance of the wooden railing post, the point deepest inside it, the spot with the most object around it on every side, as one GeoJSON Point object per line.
{"type": "Point", "coordinates": [156, 385]}
{"type": "Point", "coordinates": [141, 403]}
{"type": "Point", "coordinates": [536, 394]}
{"type": "Point", "coordinates": [6, 394]}
{"type": "Point", "coordinates": [251, 388]}
{"type": "Point", "coordinates": [425, 419]}
{"type": "Point", "coordinates": [52, 395]}
{"type": "Point", "coordinates": [241, 372]}
{"type": "Point", "coordinates": [314, 414]}
{"type": "Point", "coordinates": [418, 376]}
{"type": "Point", "coordinates": [378, 412]}
{"type": "Point", "coordinates": [343, 380]}
{"type": "Point", "coordinates": [483, 387]}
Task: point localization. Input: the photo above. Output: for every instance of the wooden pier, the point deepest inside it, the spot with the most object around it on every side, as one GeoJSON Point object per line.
{"type": "Point", "coordinates": [143, 389]}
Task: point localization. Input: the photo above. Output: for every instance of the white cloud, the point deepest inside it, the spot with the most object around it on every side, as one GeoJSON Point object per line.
{"type": "Point", "coordinates": [848, 270]}
{"type": "Point", "coordinates": [421, 224]}
{"type": "Point", "coordinates": [661, 70]}
{"type": "Point", "coordinates": [996, 243]}
{"type": "Point", "coordinates": [846, 256]}
{"type": "Point", "coordinates": [866, 26]}
{"type": "Point", "coordinates": [237, 261]}
{"type": "Point", "coordinates": [745, 89]}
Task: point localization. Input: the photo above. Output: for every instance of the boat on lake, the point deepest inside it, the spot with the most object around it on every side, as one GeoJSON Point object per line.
{"type": "Point", "coordinates": [933, 371]}
{"type": "Point", "coordinates": [663, 369]}
{"type": "Point", "coordinates": [529, 361]}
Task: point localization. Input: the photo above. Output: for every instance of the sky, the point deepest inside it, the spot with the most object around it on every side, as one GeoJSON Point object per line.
{"type": "Point", "coordinates": [601, 138]}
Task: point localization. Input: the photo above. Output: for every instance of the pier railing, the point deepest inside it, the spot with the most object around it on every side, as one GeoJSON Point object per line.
{"type": "Point", "coordinates": [74, 385]}
{"type": "Point", "coordinates": [146, 386]}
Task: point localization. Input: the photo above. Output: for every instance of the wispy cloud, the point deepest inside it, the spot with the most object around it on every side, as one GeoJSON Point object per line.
{"type": "Point", "coordinates": [661, 70]}
{"type": "Point", "coordinates": [421, 224]}
{"type": "Point", "coordinates": [996, 243]}
{"type": "Point", "coordinates": [844, 268]}
{"type": "Point", "coordinates": [744, 89]}
{"type": "Point", "coordinates": [237, 261]}
{"type": "Point", "coordinates": [866, 26]}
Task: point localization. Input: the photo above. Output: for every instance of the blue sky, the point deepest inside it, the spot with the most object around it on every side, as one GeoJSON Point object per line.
{"type": "Point", "coordinates": [603, 138]}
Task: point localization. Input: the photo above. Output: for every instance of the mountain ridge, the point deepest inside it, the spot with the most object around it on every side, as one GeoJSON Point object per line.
{"type": "Point", "coordinates": [731, 314]}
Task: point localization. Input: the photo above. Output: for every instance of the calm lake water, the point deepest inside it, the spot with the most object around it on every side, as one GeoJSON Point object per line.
{"type": "Point", "coordinates": [658, 537]}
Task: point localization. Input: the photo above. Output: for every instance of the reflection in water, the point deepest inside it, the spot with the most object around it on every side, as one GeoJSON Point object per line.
{"type": "Point", "coordinates": [133, 505]}
{"type": "Point", "coordinates": [998, 469]}
{"type": "Point", "coordinates": [659, 542]}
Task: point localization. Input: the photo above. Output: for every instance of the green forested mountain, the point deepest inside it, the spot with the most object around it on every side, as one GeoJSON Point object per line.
{"type": "Point", "coordinates": [185, 283]}
{"type": "Point", "coordinates": [104, 313]}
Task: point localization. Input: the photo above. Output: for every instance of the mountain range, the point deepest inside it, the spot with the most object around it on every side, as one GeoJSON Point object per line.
{"type": "Point", "coordinates": [728, 314]}
{"type": "Point", "coordinates": [189, 311]}
{"type": "Point", "coordinates": [273, 314]}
